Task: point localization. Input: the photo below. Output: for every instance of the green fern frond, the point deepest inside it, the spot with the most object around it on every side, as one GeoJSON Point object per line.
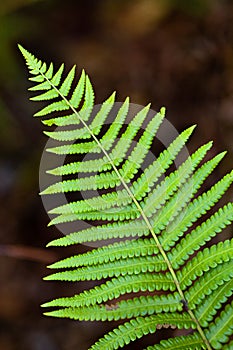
{"type": "Point", "coordinates": [71, 119]}
{"type": "Point", "coordinates": [207, 283]}
{"type": "Point", "coordinates": [208, 308]}
{"type": "Point", "coordinates": [82, 133]}
{"type": "Point", "coordinates": [137, 328]}
{"type": "Point", "coordinates": [97, 272]}
{"type": "Point", "coordinates": [160, 273]}
{"type": "Point", "coordinates": [195, 209]}
{"type": "Point", "coordinates": [201, 234]}
{"type": "Point", "coordinates": [204, 261]}
{"type": "Point", "coordinates": [152, 203]}
{"type": "Point", "coordinates": [109, 200]}
{"type": "Point", "coordinates": [103, 232]}
{"type": "Point", "coordinates": [116, 251]}
{"type": "Point", "coordinates": [115, 287]}
{"type": "Point", "coordinates": [191, 342]}
{"type": "Point", "coordinates": [144, 305]}
{"type": "Point", "coordinates": [228, 346]}
{"type": "Point", "coordinates": [220, 330]}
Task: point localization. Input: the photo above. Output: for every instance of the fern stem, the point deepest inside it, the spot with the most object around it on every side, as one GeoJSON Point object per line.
{"type": "Point", "coordinates": [143, 215]}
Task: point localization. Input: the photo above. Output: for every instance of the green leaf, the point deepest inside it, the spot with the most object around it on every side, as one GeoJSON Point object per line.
{"type": "Point", "coordinates": [162, 269]}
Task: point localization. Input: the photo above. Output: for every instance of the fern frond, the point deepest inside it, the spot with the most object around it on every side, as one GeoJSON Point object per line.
{"type": "Point", "coordinates": [180, 198]}
{"type": "Point", "coordinates": [95, 127]}
{"type": "Point", "coordinates": [115, 287]}
{"type": "Point", "coordinates": [71, 119]}
{"type": "Point", "coordinates": [201, 234]}
{"type": "Point", "coordinates": [127, 266]}
{"type": "Point", "coordinates": [191, 342]}
{"type": "Point", "coordinates": [208, 308]}
{"type": "Point", "coordinates": [204, 261]}
{"type": "Point", "coordinates": [137, 328]}
{"type": "Point", "coordinates": [222, 328]}
{"type": "Point", "coordinates": [141, 306]}
{"type": "Point", "coordinates": [228, 346]}
{"type": "Point", "coordinates": [207, 283]}
{"type": "Point", "coordinates": [174, 279]}
{"type": "Point", "coordinates": [103, 232]}
{"type": "Point", "coordinates": [82, 133]}
{"type": "Point", "coordinates": [51, 94]}
{"type": "Point", "coordinates": [151, 204]}
{"type": "Point", "coordinates": [116, 251]}
{"type": "Point", "coordinates": [117, 154]}
{"type": "Point", "coordinates": [195, 209]}
{"type": "Point", "coordinates": [121, 197]}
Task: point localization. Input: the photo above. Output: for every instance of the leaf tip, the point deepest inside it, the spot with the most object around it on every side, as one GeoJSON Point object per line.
{"type": "Point", "coordinates": [46, 278]}
{"type": "Point", "coordinates": [42, 192]}
{"type": "Point", "coordinates": [162, 111]}
{"type": "Point", "coordinates": [24, 52]}
{"type": "Point", "coordinates": [48, 314]}
{"type": "Point", "coordinates": [50, 244]}
{"type": "Point", "coordinates": [20, 47]}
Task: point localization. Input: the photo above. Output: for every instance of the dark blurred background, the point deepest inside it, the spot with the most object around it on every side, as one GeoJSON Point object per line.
{"type": "Point", "coordinates": [175, 53]}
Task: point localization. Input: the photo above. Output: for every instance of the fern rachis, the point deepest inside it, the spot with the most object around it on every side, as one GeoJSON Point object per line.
{"type": "Point", "coordinates": [162, 212]}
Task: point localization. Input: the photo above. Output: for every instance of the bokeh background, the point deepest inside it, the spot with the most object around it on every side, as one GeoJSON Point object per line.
{"type": "Point", "coordinates": [173, 53]}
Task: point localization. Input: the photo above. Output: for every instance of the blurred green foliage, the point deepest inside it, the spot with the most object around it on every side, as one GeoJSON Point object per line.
{"type": "Point", "coordinates": [192, 7]}
{"type": "Point", "coordinates": [9, 6]}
